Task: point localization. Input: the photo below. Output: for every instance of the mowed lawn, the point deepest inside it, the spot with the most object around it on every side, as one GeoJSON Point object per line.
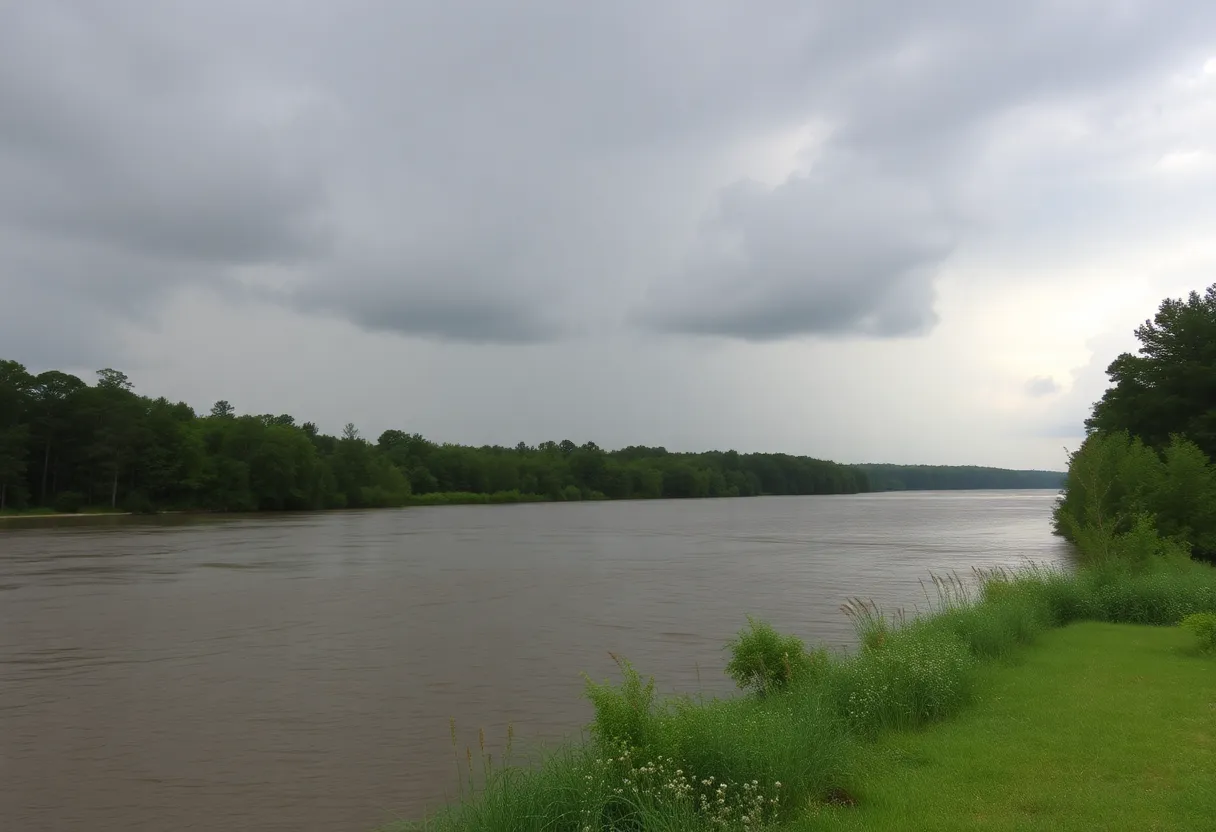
{"type": "Point", "coordinates": [1097, 727]}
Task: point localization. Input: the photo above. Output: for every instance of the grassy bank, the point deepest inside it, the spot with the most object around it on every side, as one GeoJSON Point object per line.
{"type": "Point", "coordinates": [796, 743]}
{"type": "Point", "coordinates": [1102, 726]}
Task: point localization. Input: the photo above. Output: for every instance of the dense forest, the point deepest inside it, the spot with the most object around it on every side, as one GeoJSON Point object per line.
{"type": "Point", "coordinates": [65, 444]}
{"type": "Point", "coordinates": [1143, 482]}
{"type": "Point", "coordinates": [955, 477]}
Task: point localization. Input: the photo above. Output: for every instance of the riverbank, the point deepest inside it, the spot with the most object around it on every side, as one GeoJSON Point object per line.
{"type": "Point", "coordinates": [800, 745]}
{"type": "Point", "coordinates": [1101, 726]}
{"type": "Point", "coordinates": [50, 514]}
{"type": "Point", "coordinates": [437, 498]}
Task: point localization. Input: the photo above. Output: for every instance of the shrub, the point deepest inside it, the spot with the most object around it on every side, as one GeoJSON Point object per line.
{"type": "Point", "coordinates": [1203, 626]}
{"type": "Point", "coordinates": [920, 673]}
{"type": "Point", "coordinates": [1162, 597]}
{"type": "Point", "coordinates": [764, 661]}
{"type": "Point", "coordinates": [69, 502]}
{"type": "Point", "coordinates": [624, 714]}
{"type": "Point", "coordinates": [1003, 617]}
{"type": "Point", "coordinates": [869, 623]}
{"type": "Point", "coordinates": [1110, 480]}
{"type": "Point", "coordinates": [1061, 597]}
{"type": "Point", "coordinates": [795, 738]}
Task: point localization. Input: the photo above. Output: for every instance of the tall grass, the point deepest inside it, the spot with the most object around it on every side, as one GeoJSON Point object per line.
{"type": "Point", "coordinates": [688, 763]}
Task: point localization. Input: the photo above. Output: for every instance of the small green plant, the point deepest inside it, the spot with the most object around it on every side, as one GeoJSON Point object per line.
{"type": "Point", "coordinates": [869, 622]}
{"type": "Point", "coordinates": [1203, 626]}
{"type": "Point", "coordinates": [764, 661]}
{"type": "Point", "coordinates": [624, 714]}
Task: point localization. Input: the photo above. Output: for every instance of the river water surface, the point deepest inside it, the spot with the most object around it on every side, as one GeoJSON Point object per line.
{"type": "Point", "coordinates": [298, 672]}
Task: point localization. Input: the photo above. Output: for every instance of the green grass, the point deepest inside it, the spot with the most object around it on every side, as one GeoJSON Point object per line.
{"type": "Point", "coordinates": [1100, 726]}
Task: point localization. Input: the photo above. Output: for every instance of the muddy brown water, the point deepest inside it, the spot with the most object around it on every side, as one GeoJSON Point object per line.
{"type": "Point", "coordinates": [298, 672]}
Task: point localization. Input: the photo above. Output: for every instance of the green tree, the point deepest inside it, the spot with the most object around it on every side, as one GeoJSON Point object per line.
{"type": "Point", "coordinates": [54, 395]}
{"type": "Point", "coordinates": [15, 389]}
{"type": "Point", "coordinates": [1169, 387]}
{"type": "Point", "coordinates": [1142, 484]}
{"type": "Point", "coordinates": [117, 416]}
{"type": "Point", "coordinates": [170, 454]}
{"type": "Point", "coordinates": [64, 442]}
{"type": "Point", "coordinates": [1112, 482]}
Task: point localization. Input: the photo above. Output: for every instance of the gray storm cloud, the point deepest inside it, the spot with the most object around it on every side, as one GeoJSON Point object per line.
{"type": "Point", "coordinates": [485, 172]}
{"type": "Point", "coordinates": [836, 251]}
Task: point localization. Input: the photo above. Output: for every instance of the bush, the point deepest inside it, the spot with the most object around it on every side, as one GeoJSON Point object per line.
{"type": "Point", "coordinates": [920, 673]}
{"type": "Point", "coordinates": [1110, 482]}
{"type": "Point", "coordinates": [624, 714]}
{"type": "Point", "coordinates": [795, 739]}
{"type": "Point", "coordinates": [764, 661]}
{"type": "Point", "coordinates": [69, 502]}
{"type": "Point", "coordinates": [994, 630]}
{"type": "Point", "coordinates": [1058, 596]}
{"type": "Point", "coordinates": [1203, 626]}
{"type": "Point", "coordinates": [1124, 500]}
{"type": "Point", "coordinates": [754, 753]}
{"type": "Point", "coordinates": [1163, 597]}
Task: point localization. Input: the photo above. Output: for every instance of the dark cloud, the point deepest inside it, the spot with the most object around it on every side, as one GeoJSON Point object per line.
{"type": "Point", "coordinates": [837, 251]}
{"type": "Point", "coordinates": [519, 173]}
{"type": "Point", "coordinates": [1040, 386]}
{"type": "Point", "coordinates": [111, 138]}
{"type": "Point", "coordinates": [425, 301]}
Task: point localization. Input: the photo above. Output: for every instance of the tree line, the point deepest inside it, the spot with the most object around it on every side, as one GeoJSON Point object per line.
{"type": "Point", "coordinates": [1142, 483]}
{"type": "Point", "coordinates": [66, 444]}
{"type": "Point", "coordinates": [884, 477]}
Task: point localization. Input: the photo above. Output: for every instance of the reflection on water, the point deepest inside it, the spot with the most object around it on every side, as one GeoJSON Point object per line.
{"type": "Point", "coordinates": [298, 672]}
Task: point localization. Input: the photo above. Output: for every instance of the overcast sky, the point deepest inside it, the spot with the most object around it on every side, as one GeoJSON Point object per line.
{"type": "Point", "coordinates": [865, 231]}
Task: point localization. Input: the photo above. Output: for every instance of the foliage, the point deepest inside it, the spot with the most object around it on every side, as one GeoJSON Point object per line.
{"type": "Point", "coordinates": [914, 675]}
{"type": "Point", "coordinates": [1124, 501]}
{"type": "Point", "coordinates": [765, 661]}
{"type": "Point", "coordinates": [624, 714]}
{"type": "Point", "coordinates": [1167, 388]}
{"type": "Point", "coordinates": [117, 448]}
{"type": "Point", "coordinates": [885, 477]}
{"type": "Point", "coordinates": [1008, 615]}
{"type": "Point", "coordinates": [1203, 626]}
{"type": "Point", "coordinates": [1142, 484]}
{"type": "Point", "coordinates": [723, 753]}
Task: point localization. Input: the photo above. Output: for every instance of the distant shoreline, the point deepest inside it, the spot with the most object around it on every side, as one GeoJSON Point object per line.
{"type": "Point", "coordinates": [464, 499]}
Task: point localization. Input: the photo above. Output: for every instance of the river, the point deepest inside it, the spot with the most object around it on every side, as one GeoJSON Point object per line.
{"type": "Point", "coordinates": [297, 672]}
